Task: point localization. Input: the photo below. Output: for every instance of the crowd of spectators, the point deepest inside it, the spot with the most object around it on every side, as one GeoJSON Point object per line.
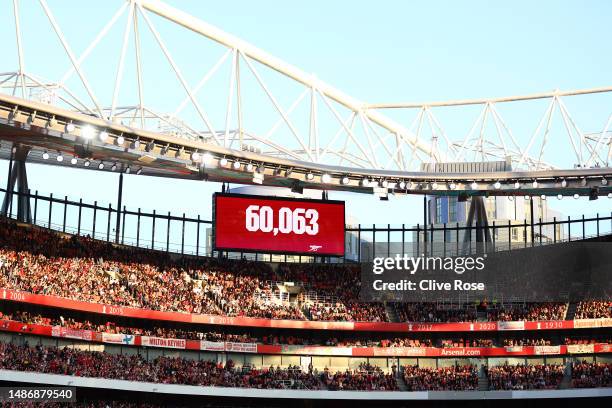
{"type": "Point", "coordinates": [525, 376]}
{"type": "Point", "coordinates": [176, 370]}
{"type": "Point", "coordinates": [452, 378]}
{"type": "Point", "coordinates": [528, 312]}
{"type": "Point", "coordinates": [42, 261]}
{"type": "Point", "coordinates": [166, 370]}
{"type": "Point", "coordinates": [447, 343]}
{"type": "Point", "coordinates": [593, 309]}
{"type": "Point", "coordinates": [591, 375]}
{"type": "Point", "coordinates": [355, 340]}
{"type": "Point", "coordinates": [587, 340]}
{"type": "Point", "coordinates": [430, 312]}
{"type": "Point", "coordinates": [527, 342]}
{"type": "Point", "coordinates": [366, 378]}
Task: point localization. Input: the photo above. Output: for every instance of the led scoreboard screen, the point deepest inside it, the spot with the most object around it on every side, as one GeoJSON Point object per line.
{"type": "Point", "coordinates": [246, 223]}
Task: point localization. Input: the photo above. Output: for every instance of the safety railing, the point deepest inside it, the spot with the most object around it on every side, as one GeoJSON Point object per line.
{"type": "Point", "coordinates": [191, 235]}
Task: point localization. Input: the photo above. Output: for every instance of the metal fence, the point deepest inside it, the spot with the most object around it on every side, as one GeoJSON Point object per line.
{"type": "Point", "coordinates": [186, 235]}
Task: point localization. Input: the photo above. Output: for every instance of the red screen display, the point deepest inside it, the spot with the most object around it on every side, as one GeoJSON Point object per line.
{"type": "Point", "coordinates": [252, 223]}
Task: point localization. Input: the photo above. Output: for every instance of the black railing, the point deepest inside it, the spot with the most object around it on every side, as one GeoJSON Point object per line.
{"type": "Point", "coordinates": [191, 235]}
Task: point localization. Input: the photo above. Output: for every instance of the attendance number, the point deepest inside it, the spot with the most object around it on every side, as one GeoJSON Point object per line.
{"type": "Point", "coordinates": [298, 221]}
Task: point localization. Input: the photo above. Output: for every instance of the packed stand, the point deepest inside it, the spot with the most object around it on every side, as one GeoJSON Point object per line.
{"type": "Point", "coordinates": [432, 313]}
{"type": "Point", "coordinates": [452, 378]}
{"type": "Point", "coordinates": [331, 292]}
{"type": "Point", "coordinates": [166, 370]}
{"type": "Point", "coordinates": [591, 375]}
{"type": "Point", "coordinates": [528, 312]}
{"type": "Point", "coordinates": [587, 340]}
{"type": "Point", "coordinates": [44, 262]}
{"type": "Point", "coordinates": [593, 309]}
{"type": "Point", "coordinates": [157, 331]}
{"type": "Point", "coordinates": [448, 343]}
{"type": "Point", "coordinates": [365, 378]}
{"type": "Point", "coordinates": [526, 342]}
{"type": "Point", "coordinates": [525, 377]}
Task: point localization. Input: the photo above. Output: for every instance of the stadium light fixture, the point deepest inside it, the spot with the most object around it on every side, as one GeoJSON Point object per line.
{"type": "Point", "coordinates": [261, 169]}
{"type": "Point", "coordinates": [139, 171]}
{"type": "Point", "coordinates": [402, 184]}
{"type": "Point", "coordinates": [179, 152]}
{"type": "Point", "coordinates": [120, 140]}
{"type": "Point", "coordinates": [583, 182]}
{"type": "Point", "coordinates": [517, 185]}
{"type": "Point", "coordinates": [250, 167]}
{"type": "Point", "coordinates": [103, 136]}
{"type": "Point", "coordinates": [309, 176]}
{"type": "Point", "coordinates": [150, 146]}
{"type": "Point", "coordinates": [86, 163]}
{"type": "Point", "coordinates": [564, 183]}
{"type": "Point", "coordinates": [365, 182]}
{"type": "Point", "coordinates": [385, 183]}
{"type": "Point", "coordinates": [609, 195]}
{"type": "Point", "coordinates": [434, 186]}
{"type": "Point", "coordinates": [136, 144]}
{"type": "Point", "coordinates": [452, 186]}
{"type": "Point", "coordinates": [288, 172]}
{"type": "Point", "coordinates": [195, 156]}
{"type": "Point", "coordinates": [69, 127]}
{"type": "Point", "coordinates": [59, 157]}
{"type": "Point", "coordinates": [604, 181]}
{"type": "Point", "coordinates": [474, 185]}
{"type": "Point", "coordinates": [207, 159]}
{"type": "Point", "coordinates": [236, 165]}
{"type": "Point", "coordinates": [326, 178]}
{"type": "Point", "coordinates": [258, 178]}
{"type": "Point", "coordinates": [345, 180]}
{"type": "Point", "coordinates": [576, 196]}
{"type": "Point", "coordinates": [87, 132]}
{"type": "Point", "coordinates": [114, 167]}
{"type": "Point", "coordinates": [559, 197]}
{"type": "Point", "coordinates": [101, 166]}
{"type": "Point", "coordinates": [128, 170]}
{"type": "Point", "coordinates": [543, 197]}
{"type": "Point", "coordinates": [73, 161]}
{"type": "Point", "coordinates": [164, 150]}
{"type": "Point", "coordinates": [535, 184]}
{"type": "Point", "coordinates": [497, 185]}
{"type": "Point", "coordinates": [223, 162]}
{"type": "Point", "coordinates": [45, 155]}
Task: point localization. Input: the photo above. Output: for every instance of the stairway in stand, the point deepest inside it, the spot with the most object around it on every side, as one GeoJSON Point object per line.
{"type": "Point", "coordinates": [566, 382]}
{"type": "Point", "coordinates": [391, 312]}
{"type": "Point", "coordinates": [571, 311]}
{"type": "Point", "coordinates": [483, 380]}
{"type": "Point", "coordinates": [401, 384]}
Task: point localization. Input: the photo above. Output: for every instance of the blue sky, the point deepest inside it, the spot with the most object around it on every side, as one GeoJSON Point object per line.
{"type": "Point", "coordinates": [382, 51]}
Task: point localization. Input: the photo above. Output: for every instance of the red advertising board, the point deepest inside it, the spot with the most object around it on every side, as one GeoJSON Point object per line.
{"type": "Point", "coordinates": [212, 346]}
{"type": "Point", "coordinates": [248, 223]}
